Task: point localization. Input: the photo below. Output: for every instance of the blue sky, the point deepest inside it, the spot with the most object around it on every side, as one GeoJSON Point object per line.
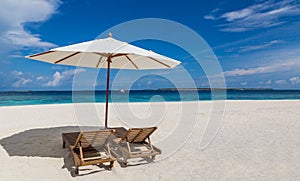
{"type": "Point", "coordinates": [257, 42]}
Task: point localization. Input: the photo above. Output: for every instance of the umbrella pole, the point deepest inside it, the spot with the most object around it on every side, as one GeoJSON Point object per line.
{"type": "Point", "coordinates": [107, 89]}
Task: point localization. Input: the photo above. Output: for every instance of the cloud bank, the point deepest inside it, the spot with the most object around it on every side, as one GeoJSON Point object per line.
{"type": "Point", "coordinates": [14, 15]}
{"type": "Point", "coordinates": [59, 78]}
{"type": "Point", "coordinates": [273, 68]}
{"type": "Point", "coordinates": [260, 15]}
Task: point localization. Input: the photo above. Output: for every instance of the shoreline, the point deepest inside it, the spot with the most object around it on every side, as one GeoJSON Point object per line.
{"type": "Point", "coordinates": [191, 101]}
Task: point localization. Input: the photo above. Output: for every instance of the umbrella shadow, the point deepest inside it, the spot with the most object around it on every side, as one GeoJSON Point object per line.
{"type": "Point", "coordinates": [132, 161]}
{"type": "Point", "coordinates": [43, 142]}
{"type": "Point", "coordinates": [143, 161]}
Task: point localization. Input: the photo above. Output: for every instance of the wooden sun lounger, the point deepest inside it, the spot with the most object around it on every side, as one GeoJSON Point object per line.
{"type": "Point", "coordinates": [134, 145]}
{"type": "Point", "coordinates": [89, 148]}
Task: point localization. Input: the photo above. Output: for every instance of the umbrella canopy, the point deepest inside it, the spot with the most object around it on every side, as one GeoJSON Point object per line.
{"type": "Point", "coordinates": [106, 53]}
{"type": "Point", "coordinates": [95, 54]}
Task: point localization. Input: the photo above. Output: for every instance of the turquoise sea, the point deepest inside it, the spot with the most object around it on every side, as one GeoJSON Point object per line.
{"type": "Point", "coordinates": [60, 97]}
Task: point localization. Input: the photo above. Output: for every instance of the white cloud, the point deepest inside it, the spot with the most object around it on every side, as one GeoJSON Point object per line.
{"type": "Point", "coordinates": [25, 39]}
{"type": "Point", "coordinates": [16, 73]}
{"type": "Point", "coordinates": [40, 78]}
{"type": "Point", "coordinates": [295, 80]}
{"type": "Point", "coordinates": [59, 78]}
{"type": "Point", "coordinates": [210, 17]}
{"type": "Point", "coordinates": [14, 15]}
{"type": "Point", "coordinates": [56, 80]}
{"type": "Point", "coordinates": [244, 83]}
{"type": "Point", "coordinates": [276, 67]}
{"type": "Point", "coordinates": [19, 79]}
{"type": "Point", "coordinates": [262, 15]}
{"type": "Point", "coordinates": [280, 82]}
{"type": "Point", "coordinates": [234, 15]}
{"type": "Point", "coordinates": [22, 82]}
{"type": "Point", "coordinates": [292, 80]}
{"type": "Point", "coordinates": [258, 47]}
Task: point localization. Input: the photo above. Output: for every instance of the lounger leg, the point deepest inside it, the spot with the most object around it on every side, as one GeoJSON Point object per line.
{"type": "Point", "coordinates": [76, 171]}
{"type": "Point", "coordinates": [153, 157]}
{"type": "Point", "coordinates": [125, 162]}
{"type": "Point", "coordinates": [111, 165]}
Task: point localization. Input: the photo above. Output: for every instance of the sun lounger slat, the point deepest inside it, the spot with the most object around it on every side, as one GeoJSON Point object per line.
{"type": "Point", "coordinates": [134, 138]}
{"type": "Point", "coordinates": [89, 148]}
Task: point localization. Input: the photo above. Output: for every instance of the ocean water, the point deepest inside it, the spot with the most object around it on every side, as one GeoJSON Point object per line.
{"type": "Point", "coordinates": [60, 97]}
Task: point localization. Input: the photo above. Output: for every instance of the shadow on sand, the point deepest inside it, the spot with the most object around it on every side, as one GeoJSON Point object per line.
{"type": "Point", "coordinates": [43, 142]}
{"type": "Point", "coordinates": [47, 142]}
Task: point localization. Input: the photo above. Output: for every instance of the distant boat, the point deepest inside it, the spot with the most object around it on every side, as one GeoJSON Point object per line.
{"type": "Point", "coordinates": [123, 91]}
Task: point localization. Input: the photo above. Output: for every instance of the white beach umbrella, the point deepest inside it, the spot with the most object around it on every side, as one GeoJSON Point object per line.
{"type": "Point", "coordinates": [106, 53]}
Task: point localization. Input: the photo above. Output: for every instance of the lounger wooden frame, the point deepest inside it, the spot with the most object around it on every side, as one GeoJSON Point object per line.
{"type": "Point", "coordinates": [89, 148]}
{"type": "Point", "coordinates": [136, 137]}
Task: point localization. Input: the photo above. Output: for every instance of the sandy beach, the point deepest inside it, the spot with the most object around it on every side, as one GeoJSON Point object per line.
{"type": "Point", "coordinates": [256, 140]}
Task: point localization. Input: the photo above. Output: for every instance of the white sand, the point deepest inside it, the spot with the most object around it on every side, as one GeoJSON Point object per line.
{"type": "Point", "coordinates": [258, 140]}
